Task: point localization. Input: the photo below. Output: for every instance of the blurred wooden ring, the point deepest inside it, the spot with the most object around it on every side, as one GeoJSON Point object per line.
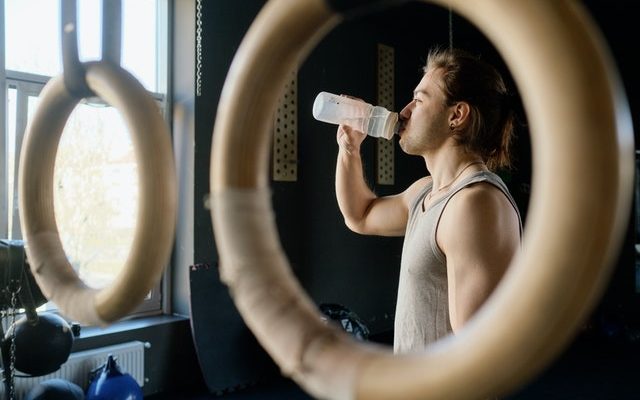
{"type": "Point", "coordinates": [582, 143]}
{"type": "Point", "coordinates": [154, 233]}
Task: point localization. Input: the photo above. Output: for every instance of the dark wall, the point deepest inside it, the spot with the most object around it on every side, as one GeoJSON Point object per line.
{"type": "Point", "coordinates": [618, 315]}
{"type": "Point", "coordinates": [225, 346]}
{"type": "Point", "coordinates": [224, 23]}
{"type": "Point", "coordinates": [333, 264]}
{"type": "Point", "coordinates": [338, 265]}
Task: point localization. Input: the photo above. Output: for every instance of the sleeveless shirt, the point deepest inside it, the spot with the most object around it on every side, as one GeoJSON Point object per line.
{"type": "Point", "coordinates": [422, 307]}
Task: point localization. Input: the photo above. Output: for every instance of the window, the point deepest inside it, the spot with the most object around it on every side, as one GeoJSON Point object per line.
{"type": "Point", "coordinates": [95, 178]}
{"type": "Point", "coordinates": [37, 51]}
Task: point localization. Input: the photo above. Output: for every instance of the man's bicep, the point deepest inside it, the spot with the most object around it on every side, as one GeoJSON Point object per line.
{"type": "Point", "coordinates": [388, 215]}
{"type": "Point", "coordinates": [479, 238]}
{"type": "Point", "coordinates": [473, 275]}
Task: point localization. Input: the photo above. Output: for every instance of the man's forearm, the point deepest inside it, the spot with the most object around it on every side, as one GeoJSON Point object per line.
{"type": "Point", "coordinates": [353, 194]}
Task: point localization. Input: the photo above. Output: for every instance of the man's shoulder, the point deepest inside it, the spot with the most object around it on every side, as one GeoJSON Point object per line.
{"type": "Point", "coordinates": [480, 204]}
{"type": "Point", "coordinates": [478, 196]}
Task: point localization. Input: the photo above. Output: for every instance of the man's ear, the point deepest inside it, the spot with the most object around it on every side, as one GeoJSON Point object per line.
{"type": "Point", "coordinates": [460, 114]}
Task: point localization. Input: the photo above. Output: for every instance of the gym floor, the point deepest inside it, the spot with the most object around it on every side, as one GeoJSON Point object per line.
{"type": "Point", "coordinates": [590, 369]}
{"type": "Point", "coordinates": [281, 389]}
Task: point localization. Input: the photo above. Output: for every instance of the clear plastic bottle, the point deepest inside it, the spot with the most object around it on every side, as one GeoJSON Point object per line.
{"type": "Point", "coordinates": [375, 121]}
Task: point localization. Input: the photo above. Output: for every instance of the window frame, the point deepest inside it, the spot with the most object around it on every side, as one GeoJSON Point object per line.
{"type": "Point", "coordinates": [4, 212]}
{"type": "Point", "coordinates": [27, 85]}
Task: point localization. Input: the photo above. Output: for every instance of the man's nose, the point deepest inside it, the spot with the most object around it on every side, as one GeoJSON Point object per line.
{"type": "Point", "coordinates": [406, 111]}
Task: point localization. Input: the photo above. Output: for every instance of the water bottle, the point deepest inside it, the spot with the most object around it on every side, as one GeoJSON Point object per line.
{"type": "Point", "coordinates": [375, 121]}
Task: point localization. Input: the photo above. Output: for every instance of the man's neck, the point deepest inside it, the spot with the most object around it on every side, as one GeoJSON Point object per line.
{"type": "Point", "coordinates": [447, 164]}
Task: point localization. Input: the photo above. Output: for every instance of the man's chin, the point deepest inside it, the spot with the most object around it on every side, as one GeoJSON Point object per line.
{"type": "Point", "coordinates": [403, 145]}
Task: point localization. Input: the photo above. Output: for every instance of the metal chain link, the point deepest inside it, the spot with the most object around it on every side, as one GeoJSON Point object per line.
{"type": "Point", "coordinates": [198, 47]}
{"type": "Point", "coordinates": [13, 288]}
{"type": "Point", "coordinates": [12, 346]}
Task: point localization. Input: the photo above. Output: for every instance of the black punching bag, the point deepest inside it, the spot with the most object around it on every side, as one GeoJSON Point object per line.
{"type": "Point", "coordinates": [42, 343]}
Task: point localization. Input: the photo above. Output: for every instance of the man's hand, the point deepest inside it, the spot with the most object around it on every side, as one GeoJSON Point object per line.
{"type": "Point", "coordinates": [349, 139]}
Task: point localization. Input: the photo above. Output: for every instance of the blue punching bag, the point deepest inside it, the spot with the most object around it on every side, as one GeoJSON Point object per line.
{"type": "Point", "coordinates": [109, 383]}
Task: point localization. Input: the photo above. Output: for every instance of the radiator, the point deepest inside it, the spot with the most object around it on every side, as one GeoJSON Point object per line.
{"type": "Point", "coordinates": [129, 357]}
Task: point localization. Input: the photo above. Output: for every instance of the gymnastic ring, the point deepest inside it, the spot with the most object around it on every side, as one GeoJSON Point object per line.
{"type": "Point", "coordinates": [582, 145]}
{"type": "Point", "coordinates": [155, 225]}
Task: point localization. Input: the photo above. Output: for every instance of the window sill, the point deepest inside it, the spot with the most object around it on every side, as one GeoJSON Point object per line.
{"type": "Point", "coordinates": [132, 329]}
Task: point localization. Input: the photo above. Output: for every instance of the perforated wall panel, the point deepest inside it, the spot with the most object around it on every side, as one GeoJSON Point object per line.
{"type": "Point", "coordinates": [285, 134]}
{"type": "Point", "coordinates": [385, 174]}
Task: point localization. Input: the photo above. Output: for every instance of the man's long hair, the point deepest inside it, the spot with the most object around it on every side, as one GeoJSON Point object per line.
{"type": "Point", "coordinates": [468, 79]}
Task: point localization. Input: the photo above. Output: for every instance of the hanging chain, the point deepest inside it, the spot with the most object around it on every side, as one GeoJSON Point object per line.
{"type": "Point", "coordinates": [198, 47]}
{"type": "Point", "coordinates": [13, 287]}
{"type": "Point", "coordinates": [12, 346]}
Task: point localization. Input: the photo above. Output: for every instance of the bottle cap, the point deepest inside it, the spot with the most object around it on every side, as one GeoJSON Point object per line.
{"type": "Point", "coordinates": [391, 126]}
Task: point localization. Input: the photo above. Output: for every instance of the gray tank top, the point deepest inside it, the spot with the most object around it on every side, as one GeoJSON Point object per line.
{"type": "Point", "coordinates": [422, 307]}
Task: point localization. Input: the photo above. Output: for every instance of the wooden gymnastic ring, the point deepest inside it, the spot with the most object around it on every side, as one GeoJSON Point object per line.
{"type": "Point", "coordinates": [153, 237]}
{"type": "Point", "coordinates": [582, 144]}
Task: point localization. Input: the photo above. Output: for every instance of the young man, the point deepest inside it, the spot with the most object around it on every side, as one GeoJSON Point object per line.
{"type": "Point", "coordinates": [461, 225]}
